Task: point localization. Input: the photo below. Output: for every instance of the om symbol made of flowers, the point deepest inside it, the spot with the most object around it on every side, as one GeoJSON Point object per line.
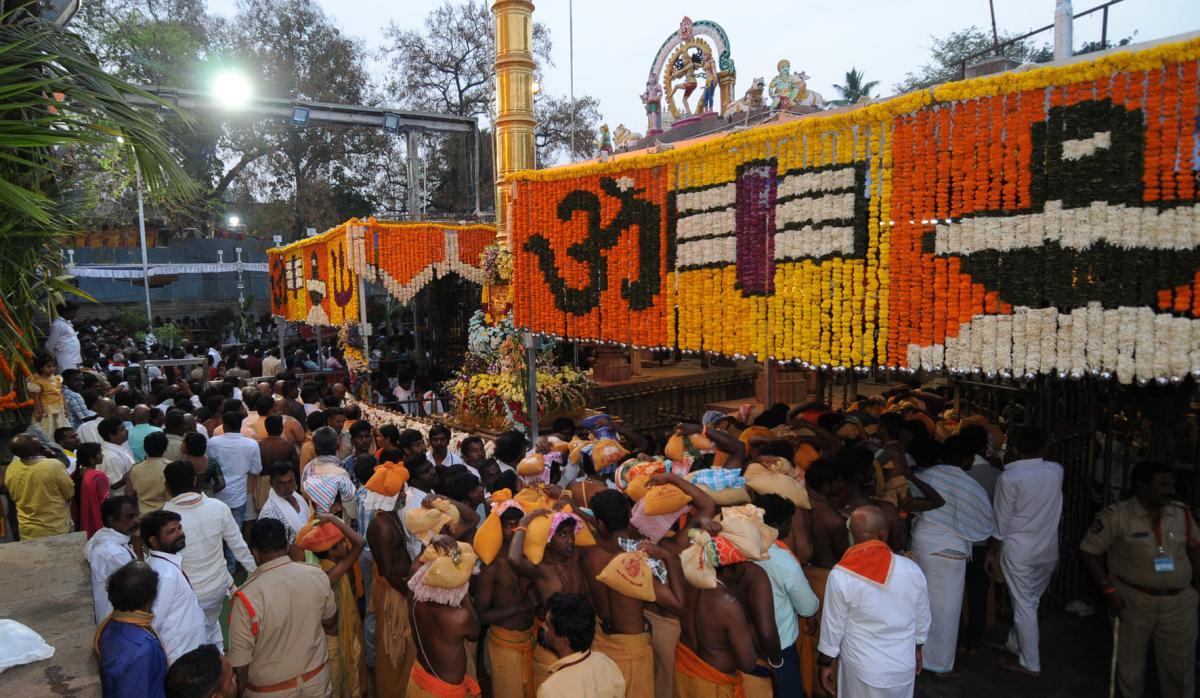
{"type": "Point", "coordinates": [634, 212]}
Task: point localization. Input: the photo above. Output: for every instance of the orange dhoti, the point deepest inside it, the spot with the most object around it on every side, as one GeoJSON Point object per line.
{"type": "Point", "coordinates": [635, 659]}
{"type": "Point", "coordinates": [394, 649]}
{"type": "Point", "coordinates": [422, 684]}
{"type": "Point", "coordinates": [695, 678]}
{"type": "Point", "coordinates": [664, 635]}
{"type": "Point", "coordinates": [810, 631]}
{"type": "Point", "coordinates": [511, 652]}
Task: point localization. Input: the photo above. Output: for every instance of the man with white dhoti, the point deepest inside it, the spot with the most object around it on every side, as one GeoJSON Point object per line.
{"type": "Point", "coordinates": [876, 616]}
{"type": "Point", "coordinates": [1026, 514]}
{"type": "Point", "coordinates": [942, 539]}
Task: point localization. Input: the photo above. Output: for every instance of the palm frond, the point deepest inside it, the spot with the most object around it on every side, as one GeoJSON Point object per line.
{"type": "Point", "coordinates": [54, 99]}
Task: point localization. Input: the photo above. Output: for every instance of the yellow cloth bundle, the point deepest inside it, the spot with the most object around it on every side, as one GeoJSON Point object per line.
{"type": "Point", "coordinates": [629, 575]}
{"type": "Point", "coordinates": [763, 480]}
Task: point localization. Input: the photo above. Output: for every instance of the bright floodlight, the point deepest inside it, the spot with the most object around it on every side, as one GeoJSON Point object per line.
{"type": "Point", "coordinates": [231, 89]}
{"type": "Point", "coordinates": [537, 87]}
{"type": "Point", "coordinates": [234, 221]}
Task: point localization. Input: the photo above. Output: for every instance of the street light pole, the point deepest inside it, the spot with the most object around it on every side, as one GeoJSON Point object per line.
{"type": "Point", "coordinates": [137, 168]}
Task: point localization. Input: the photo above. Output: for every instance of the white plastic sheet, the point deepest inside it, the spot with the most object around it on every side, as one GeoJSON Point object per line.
{"type": "Point", "coordinates": [20, 645]}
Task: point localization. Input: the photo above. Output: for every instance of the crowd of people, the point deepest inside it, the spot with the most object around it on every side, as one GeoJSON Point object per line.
{"type": "Point", "coordinates": [797, 551]}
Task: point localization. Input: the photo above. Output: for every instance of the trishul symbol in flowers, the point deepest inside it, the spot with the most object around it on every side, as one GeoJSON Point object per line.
{"type": "Point", "coordinates": [343, 282]}
{"type": "Point", "coordinates": [278, 282]}
{"type": "Point", "coordinates": [647, 216]}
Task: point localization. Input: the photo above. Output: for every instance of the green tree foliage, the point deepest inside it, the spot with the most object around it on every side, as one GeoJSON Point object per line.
{"type": "Point", "coordinates": [855, 88]}
{"type": "Point", "coordinates": [947, 54]}
{"type": "Point", "coordinates": [557, 118]}
{"type": "Point", "coordinates": [56, 103]}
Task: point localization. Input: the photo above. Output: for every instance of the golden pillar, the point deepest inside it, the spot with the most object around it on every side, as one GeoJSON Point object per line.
{"type": "Point", "coordinates": [514, 99]}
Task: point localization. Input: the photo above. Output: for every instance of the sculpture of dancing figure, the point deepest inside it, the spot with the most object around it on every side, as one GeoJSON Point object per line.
{"type": "Point", "coordinates": [652, 100]}
{"type": "Point", "coordinates": [685, 68]}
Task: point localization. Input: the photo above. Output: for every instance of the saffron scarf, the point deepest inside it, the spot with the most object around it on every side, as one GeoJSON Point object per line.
{"type": "Point", "coordinates": [141, 619]}
{"type": "Point", "coordinates": [871, 561]}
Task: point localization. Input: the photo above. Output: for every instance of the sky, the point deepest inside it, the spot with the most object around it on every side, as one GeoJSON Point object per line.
{"type": "Point", "coordinates": [616, 40]}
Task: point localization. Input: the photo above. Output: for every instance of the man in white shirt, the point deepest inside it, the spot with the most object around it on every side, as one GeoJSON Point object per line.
{"type": "Point", "coordinates": [110, 549]}
{"type": "Point", "coordinates": [876, 616]}
{"type": "Point", "coordinates": [239, 458]}
{"type": "Point", "coordinates": [439, 449]}
{"type": "Point", "coordinates": [1027, 510]}
{"type": "Point", "coordinates": [270, 364]}
{"type": "Point", "coordinates": [283, 503]}
{"type": "Point", "coordinates": [101, 408]}
{"type": "Point", "coordinates": [62, 342]}
{"type": "Point", "coordinates": [178, 619]}
{"type": "Point", "coordinates": [208, 523]}
{"type": "Point", "coordinates": [118, 459]}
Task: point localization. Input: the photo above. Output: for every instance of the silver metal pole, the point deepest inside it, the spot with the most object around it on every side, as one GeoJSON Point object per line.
{"type": "Point", "coordinates": [1063, 30]}
{"type": "Point", "coordinates": [137, 168]}
{"type": "Point", "coordinates": [364, 327]}
{"type": "Point", "coordinates": [571, 62]}
{"type": "Point", "coordinates": [531, 371]}
{"type": "Point", "coordinates": [412, 174]}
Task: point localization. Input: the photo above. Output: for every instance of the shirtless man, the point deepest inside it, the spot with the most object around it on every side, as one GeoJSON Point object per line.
{"type": "Point", "coordinates": [588, 485]}
{"type": "Point", "coordinates": [718, 640]}
{"type": "Point", "coordinates": [621, 615]}
{"type": "Point", "coordinates": [273, 448]}
{"type": "Point", "coordinates": [856, 466]}
{"type": "Point", "coordinates": [504, 606]}
{"type": "Point", "coordinates": [293, 430]}
{"type": "Point", "coordinates": [444, 622]}
{"type": "Point", "coordinates": [752, 587]}
{"type": "Point", "coordinates": [393, 636]}
{"type": "Point", "coordinates": [558, 571]}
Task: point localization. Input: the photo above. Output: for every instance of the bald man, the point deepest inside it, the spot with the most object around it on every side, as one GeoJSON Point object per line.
{"type": "Point", "coordinates": [876, 616]}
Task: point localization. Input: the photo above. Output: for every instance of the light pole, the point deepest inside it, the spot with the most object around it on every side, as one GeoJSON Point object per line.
{"type": "Point", "coordinates": [137, 170]}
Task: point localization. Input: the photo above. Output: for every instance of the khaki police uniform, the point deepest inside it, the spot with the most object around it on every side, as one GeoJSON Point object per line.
{"type": "Point", "coordinates": [276, 631]}
{"type": "Point", "coordinates": [1160, 603]}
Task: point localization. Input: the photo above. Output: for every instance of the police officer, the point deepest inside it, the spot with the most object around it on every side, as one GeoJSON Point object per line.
{"type": "Point", "coordinates": [278, 622]}
{"type": "Point", "coordinates": [1143, 554]}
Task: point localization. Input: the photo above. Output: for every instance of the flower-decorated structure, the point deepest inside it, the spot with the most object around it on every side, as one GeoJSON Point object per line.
{"type": "Point", "coordinates": [1034, 222]}
{"type": "Point", "coordinates": [491, 390]}
{"type": "Point", "coordinates": [315, 280]}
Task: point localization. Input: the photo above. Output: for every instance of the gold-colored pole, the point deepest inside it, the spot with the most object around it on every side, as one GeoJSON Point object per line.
{"type": "Point", "coordinates": [514, 99]}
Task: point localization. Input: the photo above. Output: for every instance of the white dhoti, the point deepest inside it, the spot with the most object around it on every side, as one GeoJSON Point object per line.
{"type": "Point", "coordinates": [1026, 584]}
{"type": "Point", "coordinates": [850, 686]}
{"type": "Point", "coordinates": [945, 567]}
{"type": "Point", "coordinates": [212, 603]}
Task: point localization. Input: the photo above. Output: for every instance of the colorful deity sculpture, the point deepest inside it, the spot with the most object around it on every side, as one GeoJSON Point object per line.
{"type": "Point", "coordinates": [686, 69]}
{"type": "Point", "coordinates": [652, 100]}
{"type": "Point", "coordinates": [711, 82]}
{"type": "Point", "coordinates": [604, 142]}
{"type": "Point", "coordinates": [788, 90]}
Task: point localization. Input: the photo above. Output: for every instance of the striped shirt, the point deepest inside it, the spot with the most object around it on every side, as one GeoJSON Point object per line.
{"type": "Point", "coordinates": [77, 411]}
{"type": "Point", "coordinates": [325, 483]}
{"type": "Point", "coordinates": [967, 512]}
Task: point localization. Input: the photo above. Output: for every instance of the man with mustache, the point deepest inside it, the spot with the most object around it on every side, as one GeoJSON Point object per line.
{"type": "Point", "coordinates": [178, 619]}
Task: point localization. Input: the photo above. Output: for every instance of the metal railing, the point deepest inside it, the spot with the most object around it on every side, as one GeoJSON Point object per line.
{"type": "Point", "coordinates": [998, 47]}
